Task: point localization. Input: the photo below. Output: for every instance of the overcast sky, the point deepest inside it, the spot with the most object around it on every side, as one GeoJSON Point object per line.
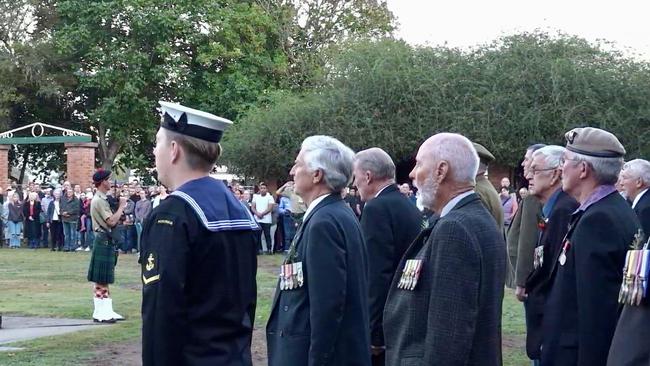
{"type": "Point", "coordinates": [465, 23]}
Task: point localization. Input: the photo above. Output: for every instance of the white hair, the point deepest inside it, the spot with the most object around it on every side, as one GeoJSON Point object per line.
{"type": "Point", "coordinates": [552, 155]}
{"type": "Point", "coordinates": [330, 156]}
{"type": "Point", "coordinates": [376, 161]}
{"type": "Point", "coordinates": [605, 170]}
{"type": "Point", "coordinates": [460, 153]}
{"type": "Point", "coordinates": [638, 169]}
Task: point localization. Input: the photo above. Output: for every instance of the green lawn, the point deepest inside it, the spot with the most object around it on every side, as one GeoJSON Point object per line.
{"type": "Point", "coordinates": [53, 284]}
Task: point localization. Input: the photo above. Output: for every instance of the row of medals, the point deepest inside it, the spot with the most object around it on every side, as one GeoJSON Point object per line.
{"type": "Point", "coordinates": [635, 277]}
{"type": "Point", "coordinates": [410, 274]}
{"type": "Point", "coordinates": [291, 276]}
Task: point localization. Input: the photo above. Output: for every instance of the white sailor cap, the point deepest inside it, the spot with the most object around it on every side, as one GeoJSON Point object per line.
{"type": "Point", "coordinates": [192, 122]}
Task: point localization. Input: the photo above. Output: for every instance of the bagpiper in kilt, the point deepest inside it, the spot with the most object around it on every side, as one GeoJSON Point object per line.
{"type": "Point", "coordinates": [103, 259]}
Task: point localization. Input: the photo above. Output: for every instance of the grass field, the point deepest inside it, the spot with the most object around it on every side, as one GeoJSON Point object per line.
{"type": "Point", "coordinates": [53, 284]}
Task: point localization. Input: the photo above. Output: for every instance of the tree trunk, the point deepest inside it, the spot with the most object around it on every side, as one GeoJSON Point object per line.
{"type": "Point", "coordinates": [107, 150]}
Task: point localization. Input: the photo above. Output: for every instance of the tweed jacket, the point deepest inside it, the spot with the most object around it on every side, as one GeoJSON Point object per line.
{"type": "Point", "coordinates": [453, 315]}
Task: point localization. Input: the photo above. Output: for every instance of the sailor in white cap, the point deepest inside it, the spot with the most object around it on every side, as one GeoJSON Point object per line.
{"type": "Point", "coordinates": [198, 252]}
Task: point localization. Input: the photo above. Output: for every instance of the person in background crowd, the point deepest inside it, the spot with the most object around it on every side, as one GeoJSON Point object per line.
{"type": "Point", "coordinates": [162, 194]}
{"type": "Point", "coordinates": [142, 210]}
{"type": "Point", "coordinates": [262, 207]}
{"type": "Point", "coordinates": [70, 209]}
{"type": "Point", "coordinates": [352, 199]}
{"type": "Point", "coordinates": [3, 218]}
{"type": "Point", "coordinates": [297, 206]}
{"type": "Point", "coordinates": [523, 193]}
{"type": "Point", "coordinates": [77, 191]}
{"type": "Point", "coordinates": [389, 224]}
{"type": "Point", "coordinates": [45, 205]}
{"type": "Point", "coordinates": [523, 235]}
{"type": "Point", "coordinates": [288, 224]}
{"type": "Point", "coordinates": [328, 303]}
{"type": "Point", "coordinates": [84, 214]}
{"type": "Point", "coordinates": [5, 215]}
{"type": "Point", "coordinates": [545, 183]}
{"type": "Point", "coordinates": [65, 188]}
{"type": "Point", "coordinates": [508, 204]}
{"type": "Point", "coordinates": [631, 342]}
{"type": "Point", "coordinates": [55, 223]}
{"type": "Point", "coordinates": [582, 307]}
{"type": "Point", "coordinates": [130, 239]}
{"type": "Point", "coordinates": [444, 304]}
{"type": "Point", "coordinates": [88, 222]}
{"type": "Point", "coordinates": [31, 212]}
{"type": "Point", "coordinates": [15, 220]}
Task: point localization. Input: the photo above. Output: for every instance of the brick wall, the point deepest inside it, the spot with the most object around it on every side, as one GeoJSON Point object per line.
{"type": "Point", "coordinates": [81, 163]}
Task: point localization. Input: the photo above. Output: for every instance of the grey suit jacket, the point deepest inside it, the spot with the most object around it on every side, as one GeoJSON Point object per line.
{"type": "Point", "coordinates": [453, 316]}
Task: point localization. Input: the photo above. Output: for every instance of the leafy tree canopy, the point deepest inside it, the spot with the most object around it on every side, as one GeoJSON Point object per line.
{"type": "Point", "coordinates": [518, 90]}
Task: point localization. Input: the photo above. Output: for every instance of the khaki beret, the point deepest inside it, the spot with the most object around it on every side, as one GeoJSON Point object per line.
{"type": "Point", "coordinates": [484, 154]}
{"type": "Point", "coordinates": [595, 142]}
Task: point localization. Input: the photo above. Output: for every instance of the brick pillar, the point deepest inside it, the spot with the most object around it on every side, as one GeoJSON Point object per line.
{"type": "Point", "coordinates": [81, 163]}
{"type": "Point", "coordinates": [4, 167]}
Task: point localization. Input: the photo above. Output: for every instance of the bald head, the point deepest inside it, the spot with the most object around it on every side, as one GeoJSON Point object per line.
{"type": "Point", "coordinates": [459, 153]}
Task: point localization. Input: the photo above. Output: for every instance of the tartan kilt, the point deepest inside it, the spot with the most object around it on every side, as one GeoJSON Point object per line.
{"type": "Point", "coordinates": [102, 260]}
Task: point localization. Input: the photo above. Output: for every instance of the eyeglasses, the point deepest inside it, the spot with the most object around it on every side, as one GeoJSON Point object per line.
{"type": "Point", "coordinates": [535, 171]}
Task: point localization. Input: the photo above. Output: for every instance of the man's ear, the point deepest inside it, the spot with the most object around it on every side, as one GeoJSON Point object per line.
{"type": "Point", "coordinates": [317, 176]}
{"type": "Point", "coordinates": [175, 152]}
{"type": "Point", "coordinates": [441, 171]}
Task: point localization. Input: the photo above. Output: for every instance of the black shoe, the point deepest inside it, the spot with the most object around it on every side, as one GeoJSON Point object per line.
{"type": "Point", "coordinates": [109, 321]}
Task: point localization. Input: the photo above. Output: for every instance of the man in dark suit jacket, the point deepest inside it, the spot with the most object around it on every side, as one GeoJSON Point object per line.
{"type": "Point", "coordinates": [631, 343]}
{"type": "Point", "coordinates": [444, 304]}
{"type": "Point", "coordinates": [319, 314]}
{"type": "Point", "coordinates": [545, 183]}
{"type": "Point", "coordinates": [390, 222]}
{"type": "Point", "coordinates": [582, 306]}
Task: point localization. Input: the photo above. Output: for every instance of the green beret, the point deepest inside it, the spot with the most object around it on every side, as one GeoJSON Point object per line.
{"type": "Point", "coordinates": [484, 154]}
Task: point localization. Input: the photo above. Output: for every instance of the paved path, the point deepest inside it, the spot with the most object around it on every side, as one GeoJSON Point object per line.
{"type": "Point", "coordinates": [20, 328]}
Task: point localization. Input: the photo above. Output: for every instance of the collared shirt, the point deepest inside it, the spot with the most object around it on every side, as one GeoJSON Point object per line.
{"type": "Point", "coordinates": [454, 201]}
{"type": "Point", "coordinates": [45, 203]}
{"type": "Point", "coordinates": [548, 206]}
{"type": "Point", "coordinates": [100, 211]}
{"type": "Point", "coordinates": [638, 197]}
{"type": "Point", "coordinates": [314, 203]}
{"type": "Point", "coordinates": [598, 194]}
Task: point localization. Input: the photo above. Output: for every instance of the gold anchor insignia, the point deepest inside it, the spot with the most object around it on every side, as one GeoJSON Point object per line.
{"type": "Point", "coordinates": [150, 265]}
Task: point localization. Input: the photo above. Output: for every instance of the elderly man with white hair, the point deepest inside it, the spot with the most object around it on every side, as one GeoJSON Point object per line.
{"type": "Point", "coordinates": [545, 183]}
{"type": "Point", "coordinates": [631, 343]}
{"type": "Point", "coordinates": [582, 307]}
{"type": "Point", "coordinates": [444, 304]}
{"type": "Point", "coordinates": [320, 310]}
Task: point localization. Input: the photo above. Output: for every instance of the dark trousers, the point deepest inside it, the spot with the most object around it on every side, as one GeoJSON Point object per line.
{"type": "Point", "coordinates": [130, 238]}
{"type": "Point", "coordinates": [378, 360]}
{"type": "Point", "coordinates": [45, 238]}
{"type": "Point", "coordinates": [266, 229]}
{"type": "Point", "coordinates": [56, 231]}
{"type": "Point", "coordinates": [289, 226]}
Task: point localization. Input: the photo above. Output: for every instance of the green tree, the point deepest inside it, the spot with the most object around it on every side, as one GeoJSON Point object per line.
{"type": "Point", "coordinates": [518, 90]}
{"type": "Point", "coordinates": [128, 54]}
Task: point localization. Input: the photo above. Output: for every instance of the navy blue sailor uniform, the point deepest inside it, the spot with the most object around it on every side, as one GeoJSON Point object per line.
{"type": "Point", "coordinates": [199, 262]}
